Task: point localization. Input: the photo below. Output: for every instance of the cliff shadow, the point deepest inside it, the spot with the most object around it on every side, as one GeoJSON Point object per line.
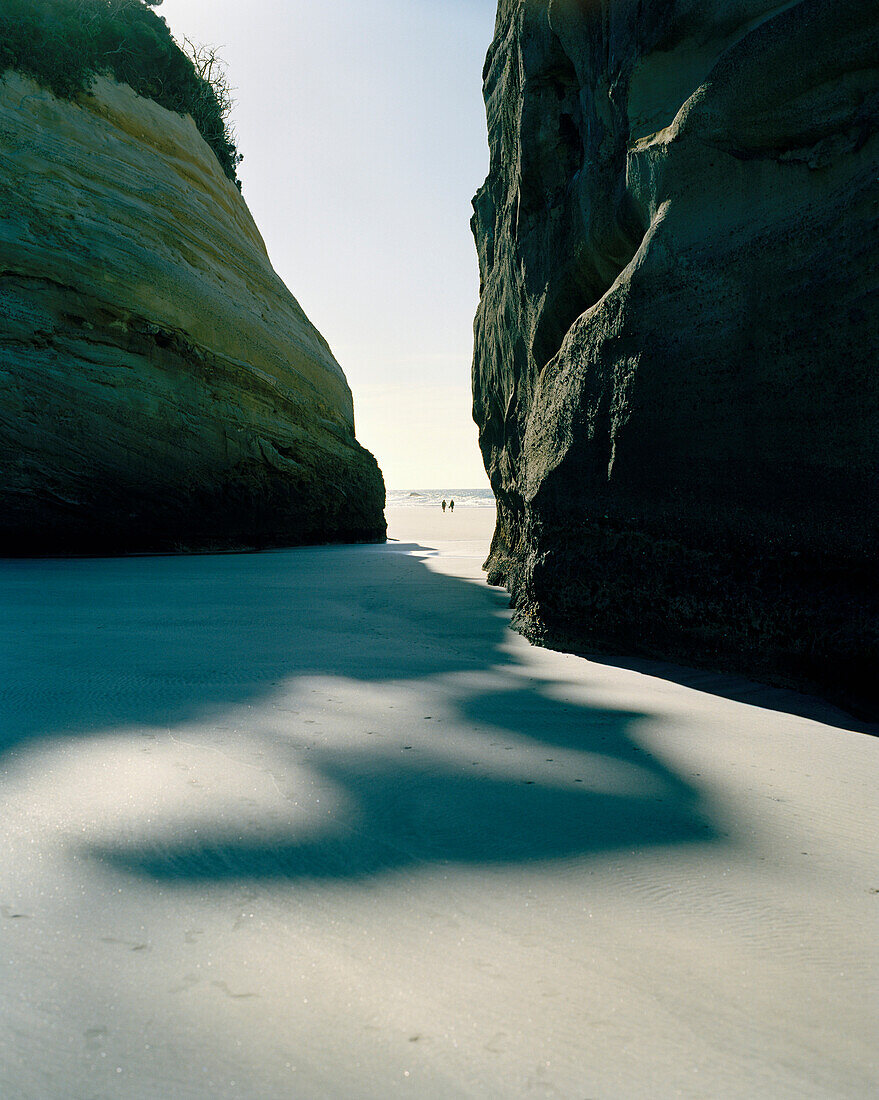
{"type": "Point", "coordinates": [100, 647]}
{"type": "Point", "coordinates": [740, 689]}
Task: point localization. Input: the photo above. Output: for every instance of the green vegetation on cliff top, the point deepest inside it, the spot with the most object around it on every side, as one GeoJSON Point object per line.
{"type": "Point", "coordinates": [64, 44]}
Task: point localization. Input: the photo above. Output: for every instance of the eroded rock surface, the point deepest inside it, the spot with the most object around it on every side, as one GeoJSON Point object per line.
{"type": "Point", "coordinates": [675, 372]}
{"type": "Point", "coordinates": [160, 388]}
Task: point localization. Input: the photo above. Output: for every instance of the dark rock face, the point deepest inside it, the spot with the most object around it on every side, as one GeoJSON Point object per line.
{"type": "Point", "coordinates": [160, 388]}
{"type": "Point", "coordinates": [675, 372]}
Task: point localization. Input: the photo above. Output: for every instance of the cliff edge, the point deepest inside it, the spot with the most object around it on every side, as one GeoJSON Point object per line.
{"type": "Point", "coordinates": [675, 349]}
{"type": "Point", "coordinates": [160, 388]}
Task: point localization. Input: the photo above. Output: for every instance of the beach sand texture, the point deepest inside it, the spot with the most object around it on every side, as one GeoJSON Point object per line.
{"type": "Point", "coordinates": [316, 823]}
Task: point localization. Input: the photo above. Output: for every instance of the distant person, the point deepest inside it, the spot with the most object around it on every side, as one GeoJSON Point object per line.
{"type": "Point", "coordinates": [444, 504]}
{"type": "Point", "coordinates": [451, 506]}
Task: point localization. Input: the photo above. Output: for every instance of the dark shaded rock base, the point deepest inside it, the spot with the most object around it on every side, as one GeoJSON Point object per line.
{"type": "Point", "coordinates": [795, 620]}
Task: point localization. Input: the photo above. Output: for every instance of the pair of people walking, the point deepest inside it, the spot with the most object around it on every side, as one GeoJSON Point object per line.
{"type": "Point", "coordinates": [451, 505]}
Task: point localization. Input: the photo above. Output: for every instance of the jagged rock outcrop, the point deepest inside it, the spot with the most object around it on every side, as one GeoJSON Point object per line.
{"type": "Point", "coordinates": [675, 374]}
{"type": "Point", "coordinates": [160, 388]}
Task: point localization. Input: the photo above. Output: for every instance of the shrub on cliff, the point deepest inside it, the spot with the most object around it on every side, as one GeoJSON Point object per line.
{"type": "Point", "coordinates": [63, 44]}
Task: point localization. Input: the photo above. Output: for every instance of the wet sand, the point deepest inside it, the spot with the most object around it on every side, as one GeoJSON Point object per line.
{"type": "Point", "coordinates": [316, 823]}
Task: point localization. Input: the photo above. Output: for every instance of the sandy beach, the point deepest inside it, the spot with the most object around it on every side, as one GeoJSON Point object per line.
{"type": "Point", "coordinates": [316, 823]}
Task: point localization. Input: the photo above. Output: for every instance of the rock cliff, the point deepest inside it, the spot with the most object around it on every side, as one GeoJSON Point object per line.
{"type": "Point", "coordinates": [160, 388]}
{"type": "Point", "coordinates": [675, 373]}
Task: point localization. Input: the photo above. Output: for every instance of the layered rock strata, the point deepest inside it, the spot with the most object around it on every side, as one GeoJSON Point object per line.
{"type": "Point", "coordinates": [160, 388]}
{"type": "Point", "coordinates": [675, 373]}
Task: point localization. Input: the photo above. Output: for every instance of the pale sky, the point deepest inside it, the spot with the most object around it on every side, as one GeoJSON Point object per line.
{"type": "Point", "coordinates": [363, 131]}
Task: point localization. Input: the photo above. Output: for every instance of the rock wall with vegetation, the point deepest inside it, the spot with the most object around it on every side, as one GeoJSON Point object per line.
{"type": "Point", "coordinates": [160, 388]}
{"type": "Point", "coordinates": [65, 44]}
{"type": "Point", "coordinates": [675, 373]}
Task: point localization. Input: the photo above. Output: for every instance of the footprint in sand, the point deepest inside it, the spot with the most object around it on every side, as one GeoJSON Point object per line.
{"type": "Point", "coordinates": [10, 914]}
{"type": "Point", "coordinates": [495, 1044]}
{"type": "Point", "coordinates": [131, 944]}
{"type": "Point", "coordinates": [94, 1036]}
{"type": "Point", "coordinates": [229, 993]}
{"type": "Point", "coordinates": [186, 982]}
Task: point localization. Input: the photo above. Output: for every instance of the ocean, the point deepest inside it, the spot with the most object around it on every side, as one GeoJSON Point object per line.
{"type": "Point", "coordinates": [433, 498]}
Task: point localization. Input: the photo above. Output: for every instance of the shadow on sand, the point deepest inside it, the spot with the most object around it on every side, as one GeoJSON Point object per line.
{"type": "Point", "coordinates": [739, 689]}
{"type": "Point", "coordinates": [93, 647]}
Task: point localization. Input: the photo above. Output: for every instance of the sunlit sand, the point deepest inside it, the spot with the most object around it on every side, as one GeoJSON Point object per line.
{"type": "Point", "coordinates": [316, 823]}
